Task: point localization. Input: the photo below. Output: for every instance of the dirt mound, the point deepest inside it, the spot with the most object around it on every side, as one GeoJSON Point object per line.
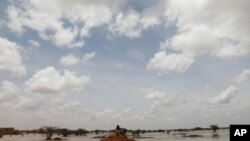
{"type": "Point", "coordinates": [117, 138]}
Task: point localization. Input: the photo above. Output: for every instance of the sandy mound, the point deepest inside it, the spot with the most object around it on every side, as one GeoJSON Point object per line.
{"type": "Point", "coordinates": [117, 138]}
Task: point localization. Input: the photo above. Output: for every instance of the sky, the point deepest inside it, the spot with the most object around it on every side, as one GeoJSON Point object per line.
{"type": "Point", "coordinates": [142, 64]}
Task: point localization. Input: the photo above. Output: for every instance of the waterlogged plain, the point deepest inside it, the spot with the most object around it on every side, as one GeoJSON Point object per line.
{"type": "Point", "coordinates": [221, 135]}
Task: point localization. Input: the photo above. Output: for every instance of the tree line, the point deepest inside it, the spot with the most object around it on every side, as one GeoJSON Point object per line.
{"type": "Point", "coordinates": [49, 131]}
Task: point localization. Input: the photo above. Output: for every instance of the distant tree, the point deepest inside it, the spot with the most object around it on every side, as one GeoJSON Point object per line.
{"type": "Point", "coordinates": [49, 132]}
{"type": "Point", "coordinates": [198, 128]}
{"type": "Point", "coordinates": [83, 132]}
{"type": "Point", "coordinates": [97, 131]}
{"type": "Point", "coordinates": [65, 132]}
{"type": "Point", "coordinates": [160, 130]}
{"type": "Point", "coordinates": [214, 127]}
{"type": "Point", "coordinates": [143, 131]}
{"type": "Point", "coordinates": [138, 131]}
{"type": "Point", "coordinates": [41, 130]}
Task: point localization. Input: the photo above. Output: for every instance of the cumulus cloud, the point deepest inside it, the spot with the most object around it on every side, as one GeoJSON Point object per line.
{"type": "Point", "coordinates": [194, 42]}
{"type": "Point", "coordinates": [48, 20]}
{"type": "Point", "coordinates": [8, 91]}
{"type": "Point", "coordinates": [68, 106]}
{"type": "Point", "coordinates": [10, 57]}
{"type": "Point", "coordinates": [205, 27]}
{"type": "Point", "coordinates": [132, 23]}
{"type": "Point", "coordinates": [88, 56]}
{"type": "Point", "coordinates": [172, 62]}
{"type": "Point", "coordinates": [225, 96]}
{"type": "Point", "coordinates": [69, 60]}
{"type": "Point", "coordinates": [15, 22]}
{"type": "Point", "coordinates": [244, 76]}
{"type": "Point", "coordinates": [34, 43]}
{"type": "Point", "coordinates": [29, 102]}
{"type": "Point", "coordinates": [155, 95]}
{"type": "Point", "coordinates": [50, 80]}
{"type": "Point", "coordinates": [151, 16]}
{"type": "Point", "coordinates": [211, 27]}
{"type": "Point", "coordinates": [78, 44]}
{"type": "Point", "coordinates": [127, 24]}
{"type": "Point", "coordinates": [160, 100]}
{"type": "Point", "coordinates": [232, 51]}
{"type": "Point", "coordinates": [12, 98]}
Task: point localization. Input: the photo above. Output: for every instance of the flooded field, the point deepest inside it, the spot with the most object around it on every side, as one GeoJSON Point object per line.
{"type": "Point", "coordinates": [222, 135]}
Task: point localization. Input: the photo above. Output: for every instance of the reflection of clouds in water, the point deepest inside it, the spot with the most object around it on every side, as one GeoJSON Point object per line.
{"type": "Point", "coordinates": [215, 136]}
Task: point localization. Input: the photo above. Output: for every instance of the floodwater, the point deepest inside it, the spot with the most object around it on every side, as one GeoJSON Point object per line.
{"type": "Point", "coordinates": [223, 135]}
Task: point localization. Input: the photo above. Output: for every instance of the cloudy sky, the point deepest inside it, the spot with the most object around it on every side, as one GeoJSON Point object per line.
{"type": "Point", "coordinates": [139, 63]}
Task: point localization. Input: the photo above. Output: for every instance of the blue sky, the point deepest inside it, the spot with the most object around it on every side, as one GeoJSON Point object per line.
{"type": "Point", "coordinates": [141, 64]}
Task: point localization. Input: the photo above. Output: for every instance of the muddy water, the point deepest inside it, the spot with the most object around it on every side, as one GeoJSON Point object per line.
{"type": "Point", "coordinates": [207, 136]}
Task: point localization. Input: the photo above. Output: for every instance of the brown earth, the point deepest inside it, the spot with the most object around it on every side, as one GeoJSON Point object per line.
{"type": "Point", "coordinates": [117, 138]}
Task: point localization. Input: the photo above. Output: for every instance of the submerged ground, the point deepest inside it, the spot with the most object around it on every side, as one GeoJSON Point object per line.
{"type": "Point", "coordinates": [222, 135]}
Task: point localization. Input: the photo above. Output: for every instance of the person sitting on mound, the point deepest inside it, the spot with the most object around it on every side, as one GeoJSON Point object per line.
{"type": "Point", "coordinates": [119, 131]}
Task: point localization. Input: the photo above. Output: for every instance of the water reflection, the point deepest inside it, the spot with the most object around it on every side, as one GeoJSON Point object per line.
{"type": "Point", "coordinates": [215, 136]}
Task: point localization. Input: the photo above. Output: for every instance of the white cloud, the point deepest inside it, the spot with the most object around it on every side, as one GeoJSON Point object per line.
{"type": "Point", "coordinates": [211, 27]}
{"type": "Point", "coordinates": [29, 102]}
{"type": "Point", "coordinates": [165, 63]}
{"type": "Point", "coordinates": [225, 96]}
{"type": "Point", "coordinates": [49, 80]}
{"type": "Point", "coordinates": [69, 106]}
{"type": "Point", "coordinates": [8, 91]}
{"type": "Point", "coordinates": [195, 42]}
{"type": "Point", "coordinates": [88, 56]}
{"type": "Point", "coordinates": [127, 24]}
{"type": "Point", "coordinates": [48, 20]}
{"type": "Point", "coordinates": [64, 37]}
{"type": "Point", "coordinates": [244, 76]}
{"type": "Point", "coordinates": [132, 23]}
{"type": "Point", "coordinates": [205, 27]}
{"type": "Point", "coordinates": [231, 50]}
{"type": "Point", "coordinates": [69, 60]}
{"type": "Point", "coordinates": [155, 95]}
{"type": "Point", "coordinates": [13, 98]}
{"type": "Point", "coordinates": [160, 98]}
{"type": "Point", "coordinates": [15, 22]}
{"type": "Point", "coordinates": [34, 43]}
{"type": "Point", "coordinates": [152, 15]}
{"type": "Point", "coordinates": [160, 101]}
{"type": "Point", "coordinates": [10, 58]}
{"type": "Point", "coordinates": [79, 44]}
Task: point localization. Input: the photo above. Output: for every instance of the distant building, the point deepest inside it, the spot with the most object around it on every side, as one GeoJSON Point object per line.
{"type": "Point", "coordinates": [7, 130]}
